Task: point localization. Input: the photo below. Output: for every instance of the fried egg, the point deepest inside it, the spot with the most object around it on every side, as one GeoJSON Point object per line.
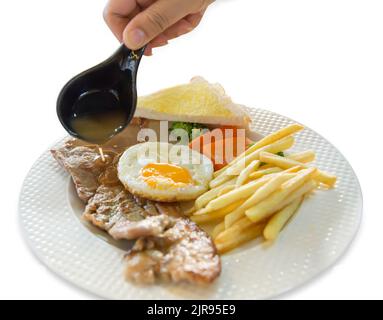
{"type": "Point", "coordinates": [165, 172]}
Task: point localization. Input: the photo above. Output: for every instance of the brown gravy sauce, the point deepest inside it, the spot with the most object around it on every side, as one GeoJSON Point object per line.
{"type": "Point", "coordinates": [99, 128]}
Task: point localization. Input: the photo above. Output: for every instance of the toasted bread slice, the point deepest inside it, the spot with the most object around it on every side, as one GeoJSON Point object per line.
{"type": "Point", "coordinates": [199, 102]}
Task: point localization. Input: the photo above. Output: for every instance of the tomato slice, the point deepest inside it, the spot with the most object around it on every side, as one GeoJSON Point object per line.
{"type": "Point", "coordinates": [221, 145]}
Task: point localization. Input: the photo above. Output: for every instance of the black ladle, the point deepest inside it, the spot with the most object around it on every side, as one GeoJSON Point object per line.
{"type": "Point", "coordinates": [100, 102]}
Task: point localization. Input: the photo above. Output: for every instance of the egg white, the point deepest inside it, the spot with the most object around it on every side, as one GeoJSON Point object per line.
{"type": "Point", "coordinates": [135, 158]}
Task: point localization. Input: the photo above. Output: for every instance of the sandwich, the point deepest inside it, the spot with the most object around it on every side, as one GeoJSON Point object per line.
{"type": "Point", "coordinates": [199, 105]}
{"type": "Point", "coordinates": [196, 102]}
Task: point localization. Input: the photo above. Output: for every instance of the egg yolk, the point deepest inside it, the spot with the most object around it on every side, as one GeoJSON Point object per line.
{"type": "Point", "coordinates": [168, 173]}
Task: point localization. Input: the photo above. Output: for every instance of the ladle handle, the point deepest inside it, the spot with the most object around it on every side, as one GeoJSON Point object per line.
{"type": "Point", "coordinates": [130, 59]}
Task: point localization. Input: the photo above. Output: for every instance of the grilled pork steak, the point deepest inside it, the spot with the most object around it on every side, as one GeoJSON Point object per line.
{"type": "Point", "coordinates": [85, 165]}
{"type": "Point", "coordinates": [181, 253]}
{"type": "Point", "coordinates": [148, 227]}
{"type": "Point", "coordinates": [110, 205]}
{"type": "Point", "coordinates": [118, 212]}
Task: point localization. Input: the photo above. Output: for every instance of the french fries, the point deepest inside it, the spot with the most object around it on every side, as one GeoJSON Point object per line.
{"type": "Point", "coordinates": [286, 163]}
{"type": "Point", "coordinates": [220, 227]}
{"type": "Point", "coordinates": [226, 190]}
{"type": "Point", "coordinates": [260, 173]}
{"type": "Point", "coordinates": [248, 234]}
{"type": "Point", "coordinates": [189, 211]}
{"type": "Point", "coordinates": [234, 230]}
{"type": "Point", "coordinates": [237, 167]}
{"type": "Point", "coordinates": [236, 194]}
{"type": "Point", "coordinates": [279, 220]}
{"type": "Point", "coordinates": [259, 191]}
{"type": "Point", "coordinates": [270, 205]}
{"type": "Point", "coordinates": [244, 175]}
{"type": "Point", "coordinates": [278, 146]}
{"type": "Point", "coordinates": [305, 189]}
{"type": "Point", "coordinates": [268, 140]}
{"type": "Point", "coordinates": [267, 166]}
{"type": "Point", "coordinates": [263, 192]}
{"type": "Point", "coordinates": [210, 195]}
{"type": "Point", "coordinates": [218, 181]}
{"type": "Point", "coordinates": [214, 215]}
{"type": "Point", "coordinates": [304, 157]}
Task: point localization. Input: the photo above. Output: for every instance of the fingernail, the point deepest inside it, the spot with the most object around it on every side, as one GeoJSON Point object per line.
{"type": "Point", "coordinates": [135, 39]}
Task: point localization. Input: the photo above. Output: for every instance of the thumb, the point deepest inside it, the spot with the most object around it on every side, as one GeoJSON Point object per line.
{"type": "Point", "coordinates": [155, 19]}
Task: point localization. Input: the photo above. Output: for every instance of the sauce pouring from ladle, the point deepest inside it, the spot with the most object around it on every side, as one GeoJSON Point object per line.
{"type": "Point", "coordinates": [99, 103]}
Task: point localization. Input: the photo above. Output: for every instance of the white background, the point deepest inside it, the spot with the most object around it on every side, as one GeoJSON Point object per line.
{"type": "Point", "coordinates": [318, 62]}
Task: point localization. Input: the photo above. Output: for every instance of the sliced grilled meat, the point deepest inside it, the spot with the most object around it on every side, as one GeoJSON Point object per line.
{"type": "Point", "coordinates": [112, 204]}
{"type": "Point", "coordinates": [85, 165]}
{"type": "Point", "coordinates": [148, 227]}
{"type": "Point", "coordinates": [125, 216]}
{"type": "Point", "coordinates": [182, 253]}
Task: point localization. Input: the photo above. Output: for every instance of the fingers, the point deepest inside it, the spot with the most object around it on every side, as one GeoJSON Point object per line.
{"type": "Point", "coordinates": [195, 19]}
{"type": "Point", "coordinates": [148, 51]}
{"type": "Point", "coordinates": [138, 22]}
{"type": "Point", "coordinates": [145, 3]}
{"type": "Point", "coordinates": [157, 18]}
{"type": "Point", "coordinates": [184, 26]}
{"type": "Point", "coordinates": [181, 27]}
{"type": "Point", "coordinates": [118, 13]}
{"type": "Point", "coordinates": [159, 41]}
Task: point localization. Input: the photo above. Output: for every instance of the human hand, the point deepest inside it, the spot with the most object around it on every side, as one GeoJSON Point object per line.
{"type": "Point", "coordinates": [153, 22]}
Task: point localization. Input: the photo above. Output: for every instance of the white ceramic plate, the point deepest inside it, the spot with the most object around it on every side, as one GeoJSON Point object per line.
{"type": "Point", "coordinates": [313, 240]}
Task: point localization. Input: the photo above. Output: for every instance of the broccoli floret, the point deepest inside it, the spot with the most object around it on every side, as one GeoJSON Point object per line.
{"type": "Point", "coordinates": [182, 125]}
{"type": "Point", "coordinates": [188, 127]}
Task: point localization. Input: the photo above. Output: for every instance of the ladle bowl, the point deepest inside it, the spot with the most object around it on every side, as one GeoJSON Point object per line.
{"type": "Point", "coordinates": [100, 102]}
